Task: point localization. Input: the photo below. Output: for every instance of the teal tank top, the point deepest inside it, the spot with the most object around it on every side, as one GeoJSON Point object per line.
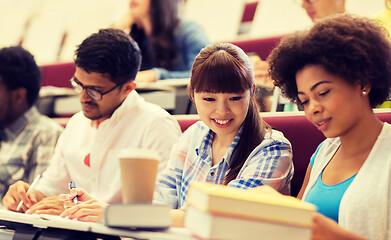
{"type": "Point", "coordinates": [327, 197]}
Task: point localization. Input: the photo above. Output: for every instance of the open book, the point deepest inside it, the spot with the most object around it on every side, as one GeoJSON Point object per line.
{"type": "Point", "coordinates": [49, 221]}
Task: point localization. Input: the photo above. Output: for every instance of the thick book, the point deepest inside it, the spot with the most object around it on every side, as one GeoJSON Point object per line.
{"type": "Point", "coordinates": [207, 225]}
{"type": "Point", "coordinates": [137, 216]}
{"type": "Point", "coordinates": [261, 203]}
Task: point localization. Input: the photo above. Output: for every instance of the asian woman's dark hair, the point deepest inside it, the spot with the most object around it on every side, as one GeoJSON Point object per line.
{"type": "Point", "coordinates": [357, 49]}
{"type": "Point", "coordinates": [164, 18]}
{"type": "Point", "coordinates": [225, 68]}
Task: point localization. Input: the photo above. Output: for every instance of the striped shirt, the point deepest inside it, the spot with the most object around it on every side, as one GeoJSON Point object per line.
{"type": "Point", "coordinates": [26, 147]}
{"type": "Point", "coordinates": [269, 163]}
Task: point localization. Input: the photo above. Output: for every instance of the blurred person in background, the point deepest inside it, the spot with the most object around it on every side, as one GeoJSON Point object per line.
{"type": "Point", "coordinates": [385, 16]}
{"type": "Point", "coordinates": [264, 83]}
{"type": "Point", "coordinates": [317, 9]}
{"type": "Point", "coordinates": [385, 20]}
{"type": "Point", "coordinates": [168, 42]}
{"type": "Point", "coordinates": [27, 138]}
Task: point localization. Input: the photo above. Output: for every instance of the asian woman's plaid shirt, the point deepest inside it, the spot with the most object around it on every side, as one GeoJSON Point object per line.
{"type": "Point", "coordinates": [270, 163]}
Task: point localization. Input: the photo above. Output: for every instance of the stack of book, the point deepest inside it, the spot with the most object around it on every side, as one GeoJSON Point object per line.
{"type": "Point", "coordinates": [137, 216]}
{"type": "Point", "coordinates": [223, 213]}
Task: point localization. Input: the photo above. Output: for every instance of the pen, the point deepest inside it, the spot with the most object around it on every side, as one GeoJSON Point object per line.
{"type": "Point", "coordinates": [29, 190]}
{"type": "Point", "coordinates": [72, 185]}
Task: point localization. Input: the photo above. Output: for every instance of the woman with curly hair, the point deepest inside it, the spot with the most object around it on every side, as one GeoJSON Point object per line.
{"type": "Point", "coordinates": [338, 71]}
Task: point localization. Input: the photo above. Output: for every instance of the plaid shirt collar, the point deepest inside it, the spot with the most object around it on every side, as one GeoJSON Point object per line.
{"type": "Point", "coordinates": [205, 148]}
{"type": "Point", "coordinates": [15, 128]}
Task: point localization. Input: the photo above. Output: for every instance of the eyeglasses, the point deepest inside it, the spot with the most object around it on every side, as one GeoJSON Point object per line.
{"type": "Point", "coordinates": [299, 2]}
{"type": "Point", "coordinates": [93, 93]}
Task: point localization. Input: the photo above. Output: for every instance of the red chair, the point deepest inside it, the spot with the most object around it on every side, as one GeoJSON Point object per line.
{"type": "Point", "coordinates": [57, 75]}
{"type": "Point", "coordinates": [249, 11]}
{"type": "Point", "coordinates": [260, 46]}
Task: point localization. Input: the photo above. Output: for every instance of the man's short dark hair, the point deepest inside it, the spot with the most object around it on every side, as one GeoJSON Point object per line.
{"type": "Point", "coordinates": [109, 51]}
{"type": "Point", "coordinates": [18, 69]}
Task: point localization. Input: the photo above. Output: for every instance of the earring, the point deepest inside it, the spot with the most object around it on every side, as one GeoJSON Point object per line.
{"type": "Point", "coordinates": [364, 92]}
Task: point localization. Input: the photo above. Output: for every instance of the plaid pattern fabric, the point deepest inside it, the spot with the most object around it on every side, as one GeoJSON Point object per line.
{"type": "Point", "coordinates": [27, 147]}
{"type": "Point", "coordinates": [191, 160]}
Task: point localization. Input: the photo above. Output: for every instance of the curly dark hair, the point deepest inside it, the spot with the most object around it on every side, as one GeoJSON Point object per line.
{"type": "Point", "coordinates": [110, 51]}
{"type": "Point", "coordinates": [18, 69]}
{"type": "Point", "coordinates": [357, 49]}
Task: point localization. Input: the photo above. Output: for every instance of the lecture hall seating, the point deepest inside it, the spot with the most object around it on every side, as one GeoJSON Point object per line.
{"type": "Point", "coordinates": [303, 136]}
{"type": "Point", "coordinates": [57, 74]}
{"type": "Point", "coordinates": [261, 46]}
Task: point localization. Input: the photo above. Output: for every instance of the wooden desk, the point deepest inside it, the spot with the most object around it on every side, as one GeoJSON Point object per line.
{"type": "Point", "coordinates": [56, 228]}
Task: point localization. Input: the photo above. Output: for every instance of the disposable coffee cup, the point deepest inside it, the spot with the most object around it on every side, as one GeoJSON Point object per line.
{"type": "Point", "coordinates": [138, 174]}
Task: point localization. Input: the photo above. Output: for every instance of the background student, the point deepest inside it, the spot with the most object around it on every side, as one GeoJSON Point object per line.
{"type": "Point", "coordinates": [318, 9]}
{"type": "Point", "coordinates": [27, 138]}
{"type": "Point", "coordinates": [168, 42]}
{"type": "Point", "coordinates": [231, 145]}
{"type": "Point", "coordinates": [338, 71]}
{"type": "Point", "coordinates": [113, 117]}
{"type": "Point", "coordinates": [385, 16]}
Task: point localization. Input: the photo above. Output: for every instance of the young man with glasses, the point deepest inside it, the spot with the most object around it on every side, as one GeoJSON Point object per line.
{"type": "Point", "coordinates": [113, 117]}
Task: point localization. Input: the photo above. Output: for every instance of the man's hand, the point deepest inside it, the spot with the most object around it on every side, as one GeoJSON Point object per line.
{"type": "Point", "coordinates": [51, 205]}
{"type": "Point", "coordinates": [17, 192]}
{"type": "Point", "coordinates": [87, 209]}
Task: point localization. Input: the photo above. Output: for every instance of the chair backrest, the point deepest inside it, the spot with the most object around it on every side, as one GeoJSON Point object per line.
{"type": "Point", "coordinates": [304, 137]}
{"type": "Point", "coordinates": [57, 75]}
{"type": "Point", "coordinates": [249, 11]}
{"type": "Point", "coordinates": [261, 46]}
